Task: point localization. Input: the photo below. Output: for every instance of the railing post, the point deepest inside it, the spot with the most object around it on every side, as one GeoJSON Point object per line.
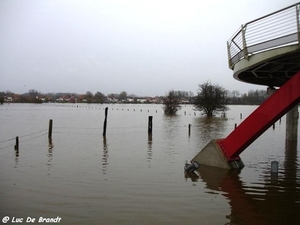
{"type": "Point", "coordinates": [245, 52]}
{"type": "Point", "coordinates": [229, 55]}
{"type": "Point", "coordinates": [298, 22]}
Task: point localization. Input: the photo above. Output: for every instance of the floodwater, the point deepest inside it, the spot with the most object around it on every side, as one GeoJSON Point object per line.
{"type": "Point", "coordinates": [130, 177]}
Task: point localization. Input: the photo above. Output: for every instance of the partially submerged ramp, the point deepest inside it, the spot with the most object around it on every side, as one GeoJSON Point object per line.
{"type": "Point", "coordinates": [224, 153]}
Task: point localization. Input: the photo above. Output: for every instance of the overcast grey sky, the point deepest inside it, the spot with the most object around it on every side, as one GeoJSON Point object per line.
{"type": "Point", "coordinates": [143, 47]}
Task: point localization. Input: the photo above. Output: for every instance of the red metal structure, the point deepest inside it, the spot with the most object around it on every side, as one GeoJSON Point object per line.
{"type": "Point", "coordinates": [265, 51]}
{"type": "Point", "coordinates": [262, 118]}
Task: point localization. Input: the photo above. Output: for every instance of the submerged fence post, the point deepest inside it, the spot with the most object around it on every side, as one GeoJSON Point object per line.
{"type": "Point", "coordinates": [105, 121]}
{"type": "Point", "coordinates": [50, 144]}
{"type": "Point", "coordinates": [274, 167]}
{"type": "Point", "coordinates": [17, 143]}
{"type": "Point", "coordinates": [50, 129]}
{"type": "Point", "coordinates": [150, 124]}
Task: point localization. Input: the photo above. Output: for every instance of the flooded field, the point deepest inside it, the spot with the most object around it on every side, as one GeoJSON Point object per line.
{"type": "Point", "coordinates": [130, 177]}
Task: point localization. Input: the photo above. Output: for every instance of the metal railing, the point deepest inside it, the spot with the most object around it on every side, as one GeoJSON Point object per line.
{"type": "Point", "coordinates": [275, 30]}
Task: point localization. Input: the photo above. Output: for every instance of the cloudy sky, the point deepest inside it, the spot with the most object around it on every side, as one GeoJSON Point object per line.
{"type": "Point", "coordinates": [143, 47]}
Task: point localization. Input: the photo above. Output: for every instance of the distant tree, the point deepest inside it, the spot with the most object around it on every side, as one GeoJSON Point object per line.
{"type": "Point", "coordinates": [132, 96]}
{"type": "Point", "coordinates": [184, 94]}
{"type": "Point", "coordinates": [8, 93]}
{"type": "Point", "coordinates": [171, 103]}
{"type": "Point", "coordinates": [99, 97]}
{"type": "Point", "coordinates": [89, 97]}
{"type": "Point", "coordinates": [34, 96]}
{"type": "Point", "coordinates": [123, 96]}
{"type": "Point", "coordinates": [211, 99]}
{"type": "Point", "coordinates": [255, 97]}
{"type": "Point", "coordinates": [2, 94]}
{"type": "Point", "coordinates": [234, 97]}
{"type": "Point", "coordinates": [112, 95]}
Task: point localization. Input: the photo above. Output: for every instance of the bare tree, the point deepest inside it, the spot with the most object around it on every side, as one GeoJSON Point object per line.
{"type": "Point", "coordinates": [34, 96]}
{"type": "Point", "coordinates": [123, 96]}
{"type": "Point", "coordinates": [89, 96]}
{"type": "Point", "coordinates": [171, 103]}
{"type": "Point", "coordinates": [99, 97]}
{"type": "Point", "coordinates": [211, 99]}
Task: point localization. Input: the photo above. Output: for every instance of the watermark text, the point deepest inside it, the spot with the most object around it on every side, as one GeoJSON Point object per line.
{"type": "Point", "coordinates": [19, 220]}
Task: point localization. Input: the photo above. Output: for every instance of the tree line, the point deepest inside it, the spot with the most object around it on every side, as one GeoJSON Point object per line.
{"type": "Point", "coordinates": [34, 96]}
{"type": "Point", "coordinates": [253, 97]}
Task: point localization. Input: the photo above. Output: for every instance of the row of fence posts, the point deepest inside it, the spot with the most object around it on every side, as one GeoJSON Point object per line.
{"type": "Point", "coordinates": [274, 164]}
{"type": "Point", "coordinates": [49, 136]}
{"type": "Point", "coordinates": [150, 127]}
{"type": "Point", "coordinates": [150, 119]}
{"type": "Point", "coordinates": [241, 117]}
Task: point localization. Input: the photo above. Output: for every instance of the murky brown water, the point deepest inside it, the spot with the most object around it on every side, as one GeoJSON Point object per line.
{"type": "Point", "coordinates": [130, 177]}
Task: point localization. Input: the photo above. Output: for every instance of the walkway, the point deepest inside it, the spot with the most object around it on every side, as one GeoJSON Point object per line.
{"type": "Point", "coordinates": [264, 51]}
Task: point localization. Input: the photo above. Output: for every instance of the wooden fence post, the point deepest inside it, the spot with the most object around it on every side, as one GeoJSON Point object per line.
{"type": "Point", "coordinates": [17, 143]}
{"type": "Point", "coordinates": [105, 121]}
{"type": "Point", "coordinates": [50, 129]}
{"type": "Point", "coordinates": [150, 124]}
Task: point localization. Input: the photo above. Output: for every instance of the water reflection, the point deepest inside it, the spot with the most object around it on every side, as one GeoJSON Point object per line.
{"type": "Point", "coordinates": [170, 123]}
{"type": "Point", "coordinates": [269, 200]}
{"type": "Point", "coordinates": [210, 128]}
{"type": "Point", "coordinates": [266, 201]}
{"type": "Point", "coordinates": [105, 155]}
{"type": "Point", "coordinates": [149, 152]}
{"type": "Point", "coordinates": [256, 203]}
{"type": "Point", "coordinates": [171, 138]}
{"type": "Point", "coordinates": [50, 144]}
{"type": "Point", "coordinates": [50, 154]}
{"type": "Point", "coordinates": [290, 162]}
{"type": "Point", "coordinates": [170, 126]}
{"type": "Point", "coordinates": [191, 175]}
{"type": "Point", "coordinates": [16, 157]}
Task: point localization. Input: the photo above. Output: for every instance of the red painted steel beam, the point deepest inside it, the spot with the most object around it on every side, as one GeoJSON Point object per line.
{"type": "Point", "coordinates": [262, 118]}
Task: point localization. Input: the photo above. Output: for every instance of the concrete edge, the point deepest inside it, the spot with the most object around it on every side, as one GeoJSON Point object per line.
{"type": "Point", "coordinates": [212, 155]}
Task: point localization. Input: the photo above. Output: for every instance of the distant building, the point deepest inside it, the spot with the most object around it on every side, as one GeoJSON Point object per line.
{"type": "Point", "coordinates": [8, 99]}
{"type": "Point", "coordinates": [68, 98]}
